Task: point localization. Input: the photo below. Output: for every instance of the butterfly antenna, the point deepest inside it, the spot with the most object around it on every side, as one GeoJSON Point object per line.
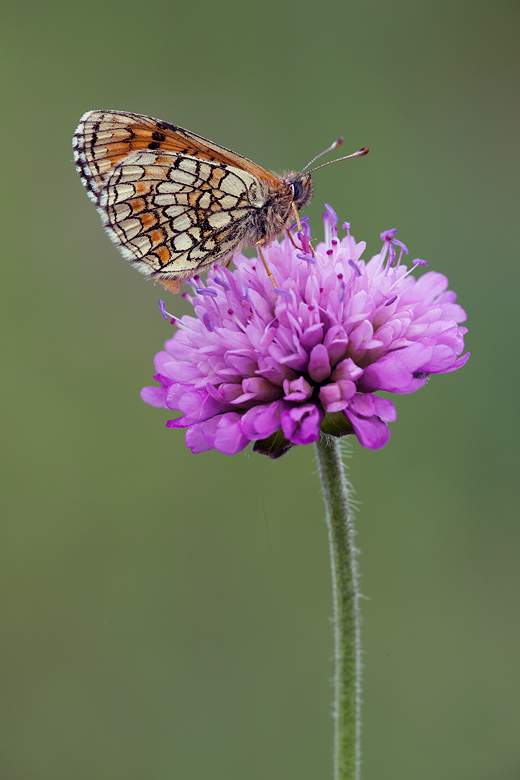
{"type": "Point", "coordinates": [331, 148]}
{"type": "Point", "coordinates": [361, 153]}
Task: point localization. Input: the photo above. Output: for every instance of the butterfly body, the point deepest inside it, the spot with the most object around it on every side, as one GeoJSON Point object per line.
{"type": "Point", "coordinates": [175, 203]}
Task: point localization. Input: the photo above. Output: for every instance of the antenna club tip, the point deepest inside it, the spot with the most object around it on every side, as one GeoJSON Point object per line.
{"type": "Point", "coordinates": [364, 150]}
{"type": "Point", "coordinates": [338, 142]}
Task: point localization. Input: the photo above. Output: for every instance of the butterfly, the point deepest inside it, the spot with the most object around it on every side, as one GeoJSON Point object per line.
{"type": "Point", "coordinates": [175, 203]}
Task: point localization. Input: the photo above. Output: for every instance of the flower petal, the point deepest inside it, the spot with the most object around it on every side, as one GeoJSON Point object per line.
{"type": "Point", "coordinates": [319, 363]}
{"type": "Point", "coordinates": [371, 431]}
{"type": "Point", "coordinates": [155, 396]}
{"type": "Point", "coordinates": [336, 396]}
{"type": "Point", "coordinates": [260, 422]}
{"type": "Point", "coordinates": [301, 424]}
{"type": "Point", "coordinates": [394, 372]}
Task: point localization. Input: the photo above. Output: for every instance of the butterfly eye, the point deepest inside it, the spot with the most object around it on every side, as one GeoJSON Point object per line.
{"type": "Point", "coordinates": [297, 190]}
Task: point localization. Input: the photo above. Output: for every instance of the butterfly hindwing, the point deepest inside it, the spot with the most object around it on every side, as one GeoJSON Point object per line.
{"type": "Point", "coordinates": [172, 213]}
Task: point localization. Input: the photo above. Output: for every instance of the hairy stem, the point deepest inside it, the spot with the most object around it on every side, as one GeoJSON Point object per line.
{"type": "Point", "coordinates": [347, 650]}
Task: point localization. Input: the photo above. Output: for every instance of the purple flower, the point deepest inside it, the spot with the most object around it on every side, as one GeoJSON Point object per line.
{"type": "Point", "coordinates": [278, 365]}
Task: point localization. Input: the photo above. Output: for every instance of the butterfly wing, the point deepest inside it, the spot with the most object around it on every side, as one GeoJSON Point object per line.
{"type": "Point", "coordinates": [173, 215]}
{"type": "Point", "coordinates": [174, 202]}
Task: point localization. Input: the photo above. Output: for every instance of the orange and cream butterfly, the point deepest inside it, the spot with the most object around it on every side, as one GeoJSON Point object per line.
{"type": "Point", "coordinates": [174, 203]}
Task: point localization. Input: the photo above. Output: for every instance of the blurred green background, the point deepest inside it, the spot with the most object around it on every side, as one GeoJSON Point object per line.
{"type": "Point", "coordinates": [166, 615]}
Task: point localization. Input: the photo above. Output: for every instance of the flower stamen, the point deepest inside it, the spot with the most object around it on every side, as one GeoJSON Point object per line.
{"type": "Point", "coordinates": [207, 291]}
{"type": "Point", "coordinates": [222, 283]}
{"type": "Point", "coordinates": [166, 315]}
{"type": "Point", "coordinates": [353, 265]}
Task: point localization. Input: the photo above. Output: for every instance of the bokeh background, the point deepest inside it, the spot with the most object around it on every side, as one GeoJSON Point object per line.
{"type": "Point", "coordinates": [166, 615]}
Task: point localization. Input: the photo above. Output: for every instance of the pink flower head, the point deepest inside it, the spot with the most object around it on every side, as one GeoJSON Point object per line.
{"type": "Point", "coordinates": [278, 365]}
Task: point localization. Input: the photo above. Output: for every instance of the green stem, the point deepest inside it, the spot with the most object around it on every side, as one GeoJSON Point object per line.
{"type": "Point", "coordinates": [347, 650]}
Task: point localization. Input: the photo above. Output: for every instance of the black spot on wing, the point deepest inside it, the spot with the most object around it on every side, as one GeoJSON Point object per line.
{"type": "Point", "coordinates": [167, 126]}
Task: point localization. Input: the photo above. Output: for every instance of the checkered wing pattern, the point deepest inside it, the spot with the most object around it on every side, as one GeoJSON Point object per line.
{"type": "Point", "coordinates": [105, 138]}
{"type": "Point", "coordinates": [174, 202]}
{"type": "Point", "coordinates": [177, 213]}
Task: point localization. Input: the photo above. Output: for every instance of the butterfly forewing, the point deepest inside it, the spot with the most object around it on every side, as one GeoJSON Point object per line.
{"type": "Point", "coordinates": [103, 138]}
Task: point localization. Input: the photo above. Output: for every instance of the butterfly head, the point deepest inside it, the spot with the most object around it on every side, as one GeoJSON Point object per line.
{"type": "Point", "coordinates": [302, 189]}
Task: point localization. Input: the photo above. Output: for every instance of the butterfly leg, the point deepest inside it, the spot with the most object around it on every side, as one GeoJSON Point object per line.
{"type": "Point", "coordinates": [268, 272]}
{"type": "Point", "coordinates": [291, 239]}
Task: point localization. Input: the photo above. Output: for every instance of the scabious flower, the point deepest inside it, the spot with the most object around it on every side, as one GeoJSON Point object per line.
{"type": "Point", "coordinates": [278, 365]}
